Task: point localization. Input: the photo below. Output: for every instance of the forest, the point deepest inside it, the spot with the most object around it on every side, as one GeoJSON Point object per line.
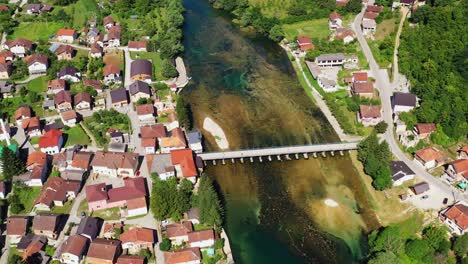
{"type": "Point", "coordinates": [433, 55]}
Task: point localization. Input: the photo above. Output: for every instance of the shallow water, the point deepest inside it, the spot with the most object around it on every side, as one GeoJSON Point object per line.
{"type": "Point", "coordinates": [275, 211]}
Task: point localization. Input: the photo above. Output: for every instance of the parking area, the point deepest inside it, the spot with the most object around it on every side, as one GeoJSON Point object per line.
{"type": "Point", "coordinates": [331, 73]}
{"type": "Point", "coordinates": [96, 178]}
{"type": "Point", "coordinates": [431, 199]}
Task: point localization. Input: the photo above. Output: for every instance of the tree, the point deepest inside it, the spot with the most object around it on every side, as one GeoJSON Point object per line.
{"type": "Point", "coordinates": [184, 113]}
{"type": "Point", "coordinates": [12, 165]}
{"type": "Point", "coordinates": [276, 33]}
{"type": "Point", "coordinates": [165, 245]}
{"type": "Point", "coordinates": [209, 205]}
{"type": "Point", "coordinates": [375, 158]}
{"type": "Point", "coordinates": [16, 206]}
{"type": "Point", "coordinates": [440, 138]}
{"type": "Point", "coordinates": [381, 127]}
{"type": "Point", "coordinates": [418, 249]}
{"type": "Point", "coordinates": [460, 246]}
{"type": "Point", "coordinates": [168, 70]}
{"type": "Point", "coordinates": [168, 200]}
{"type": "Point", "coordinates": [50, 250]}
{"type": "Point", "coordinates": [20, 70]}
{"type": "Point", "coordinates": [386, 257]}
{"type": "Point", "coordinates": [436, 236]}
{"type": "Point", "coordinates": [354, 6]}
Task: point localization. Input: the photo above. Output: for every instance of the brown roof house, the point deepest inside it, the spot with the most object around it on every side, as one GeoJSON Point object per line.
{"type": "Point", "coordinates": [19, 46]}
{"type": "Point", "coordinates": [112, 74]}
{"type": "Point", "coordinates": [421, 187]}
{"type": "Point", "coordinates": [95, 84]}
{"type": "Point", "coordinates": [112, 38]}
{"type": "Point", "coordinates": [73, 249]}
{"type": "Point", "coordinates": [369, 115]}
{"type": "Point", "coordinates": [141, 70]}
{"type": "Point", "coordinates": [137, 45]}
{"type": "Point", "coordinates": [23, 112]}
{"type": "Point", "coordinates": [46, 225]}
{"type": "Point", "coordinates": [138, 238]}
{"type": "Point", "coordinates": [63, 101]}
{"type": "Point", "coordinates": [463, 152]}
{"type": "Point", "coordinates": [65, 52]}
{"type": "Point", "coordinates": [175, 141]}
{"type": "Point", "coordinates": [103, 251]}
{"type": "Point", "coordinates": [150, 136]}
{"type": "Point", "coordinates": [423, 130]}
{"type": "Point", "coordinates": [456, 218]}
{"type": "Point", "coordinates": [202, 238]}
{"type": "Point", "coordinates": [178, 232]}
{"type": "Point", "coordinates": [66, 35]}
{"type": "Point", "coordinates": [363, 89]}
{"type": "Point", "coordinates": [82, 101]}
{"type": "Point", "coordinates": [95, 51]}
{"type": "Point", "coordinates": [429, 157]}
{"type": "Point", "coordinates": [345, 34]}
{"type": "Point", "coordinates": [115, 164]}
{"type": "Point", "coordinates": [129, 259]}
{"type": "Point", "coordinates": [458, 170]}
{"type": "Point", "coordinates": [37, 63]}
{"type": "Point", "coordinates": [32, 126]}
{"type": "Point", "coordinates": [55, 86]}
{"type": "Point", "coordinates": [56, 192]}
{"type": "Point", "coordinates": [139, 90]}
{"type": "Point", "coordinates": [16, 227]}
{"type": "Point", "coordinates": [187, 255]}
{"type": "Point", "coordinates": [119, 97]}
{"type": "Point", "coordinates": [5, 70]}
{"type": "Point", "coordinates": [146, 114]}
{"type": "Point", "coordinates": [69, 118]}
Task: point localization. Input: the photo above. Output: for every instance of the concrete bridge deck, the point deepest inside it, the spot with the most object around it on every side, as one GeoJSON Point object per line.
{"type": "Point", "coordinates": [274, 151]}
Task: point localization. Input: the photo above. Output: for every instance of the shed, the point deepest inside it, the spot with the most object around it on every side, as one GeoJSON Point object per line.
{"type": "Point", "coordinates": [421, 187]}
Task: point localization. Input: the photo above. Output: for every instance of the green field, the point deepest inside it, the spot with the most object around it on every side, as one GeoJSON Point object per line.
{"type": "Point", "coordinates": [273, 8]}
{"type": "Point", "coordinates": [83, 10]}
{"type": "Point", "coordinates": [155, 58]}
{"type": "Point", "coordinates": [38, 85]}
{"type": "Point", "coordinates": [76, 136]}
{"type": "Point", "coordinates": [385, 28]}
{"type": "Point", "coordinates": [35, 31]}
{"type": "Point", "coordinates": [317, 28]}
{"type": "Point", "coordinates": [28, 197]}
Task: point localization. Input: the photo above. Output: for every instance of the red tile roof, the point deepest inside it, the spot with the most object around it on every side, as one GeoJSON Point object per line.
{"type": "Point", "coordinates": [96, 192]}
{"type": "Point", "coordinates": [133, 188]}
{"type": "Point", "coordinates": [187, 255]}
{"type": "Point", "coordinates": [111, 69]}
{"type": "Point", "coordinates": [370, 15]}
{"type": "Point", "coordinates": [374, 8]}
{"type": "Point", "coordinates": [145, 109]}
{"type": "Point", "coordinates": [425, 128]}
{"type": "Point", "coordinates": [104, 249]}
{"type": "Point", "coordinates": [202, 235]}
{"type": "Point", "coordinates": [68, 115]}
{"type": "Point", "coordinates": [66, 32]}
{"type": "Point", "coordinates": [369, 111]}
{"type": "Point", "coordinates": [303, 40]}
{"type": "Point", "coordinates": [153, 131]}
{"type": "Point", "coordinates": [306, 47]}
{"type": "Point", "coordinates": [428, 154]}
{"type": "Point", "coordinates": [36, 158]}
{"type": "Point", "coordinates": [458, 214]}
{"type": "Point", "coordinates": [137, 44]}
{"type": "Point", "coordinates": [40, 58]}
{"type": "Point", "coordinates": [129, 259]}
{"type": "Point", "coordinates": [334, 16]}
{"type": "Point", "coordinates": [74, 245]}
{"type": "Point", "coordinates": [57, 189]}
{"type": "Point", "coordinates": [460, 166]}
{"type": "Point", "coordinates": [50, 139]}
{"type": "Point", "coordinates": [363, 87]}
{"type": "Point", "coordinates": [62, 97]}
{"type": "Point", "coordinates": [360, 76]}
{"type": "Point", "coordinates": [23, 110]}
{"type": "Point", "coordinates": [57, 84]}
{"type": "Point", "coordinates": [184, 158]}
{"type": "Point", "coordinates": [138, 235]}
{"type": "Point", "coordinates": [179, 229]}
{"type": "Point", "coordinates": [16, 225]}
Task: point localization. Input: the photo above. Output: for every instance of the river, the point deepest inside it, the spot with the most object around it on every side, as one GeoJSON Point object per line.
{"type": "Point", "coordinates": [275, 211]}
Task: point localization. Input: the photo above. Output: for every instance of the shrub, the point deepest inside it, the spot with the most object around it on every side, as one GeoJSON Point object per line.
{"type": "Point", "coordinates": [165, 245]}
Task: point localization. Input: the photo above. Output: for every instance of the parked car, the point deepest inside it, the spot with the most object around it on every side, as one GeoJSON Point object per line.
{"type": "Point", "coordinates": [445, 201]}
{"type": "Point", "coordinates": [424, 197]}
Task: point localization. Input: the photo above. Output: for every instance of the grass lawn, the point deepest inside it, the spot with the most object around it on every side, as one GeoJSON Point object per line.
{"type": "Point", "coordinates": [36, 31]}
{"type": "Point", "coordinates": [82, 208]}
{"type": "Point", "coordinates": [273, 8]}
{"type": "Point", "coordinates": [155, 58]}
{"type": "Point", "coordinates": [38, 85]}
{"type": "Point", "coordinates": [317, 28]}
{"type": "Point", "coordinates": [76, 136]}
{"type": "Point", "coordinates": [199, 227]}
{"type": "Point", "coordinates": [34, 140]}
{"type": "Point", "coordinates": [115, 58]}
{"type": "Point", "coordinates": [385, 28]}
{"type": "Point", "coordinates": [83, 11]}
{"type": "Point", "coordinates": [206, 259]}
{"type": "Point", "coordinates": [108, 214]}
{"type": "Point", "coordinates": [27, 198]}
{"type": "Point", "coordinates": [65, 209]}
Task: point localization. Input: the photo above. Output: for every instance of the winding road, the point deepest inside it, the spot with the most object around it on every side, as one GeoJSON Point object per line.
{"type": "Point", "coordinates": [385, 88]}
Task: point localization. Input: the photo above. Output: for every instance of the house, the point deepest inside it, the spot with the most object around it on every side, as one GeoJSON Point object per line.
{"type": "Point", "coordinates": [369, 115]}
{"type": "Point", "coordinates": [111, 74]}
{"type": "Point", "coordinates": [153, 132]}
{"type": "Point", "coordinates": [103, 251]}
{"type": "Point", "coordinates": [95, 51]}
{"type": "Point", "coordinates": [89, 227]}
{"type": "Point", "coordinates": [56, 192]}
{"type": "Point", "coordinates": [429, 157]}
{"type": "Point", "coordinates": [16, 227]}
{"type": "Point", "coordinates": [54, 125]}
{"type": "Point", "coordinates": [6, 55]}
{"type": "Point", "coordinates": [341, 3]}
{"type": "Point", "coordinates": [112, 38]}
{"type": "Point", "coordinates": [345, 34]}
{"type": "Point", "coordinates": [69, 118]}
{"type": "Point", "coordinates": [2, 190]}
{"type": "Point", "coordinates": [363, 89]}
{"type": "Point", "coordinates": [108, 22]}
{"type": "Point", "coordinates": [46, 225]}
{"type": "Point", "coordinates": [458, 170]}
{"type": "Point", "coordinates": [119, 97]}
{"type": "Point", "coordinates": [455, 217]}
{"type": "Point", "coordinates": [463, 152]}
{"type": "Point", "coordinates": [194, 139]}
{"type": "Point", "coordinates": [334, 21]}
{"type": "Point", "coordinates": [132, 196]}
{"type": "Point", "coordinates": [65, 52]}
{"type": "Point", "coordinates": [19, 46]}
{"type": "Point", "coordinates": [6, 89]}
{"type": "Point", "coordinates": [146, 114]}
{"type": "Point", "coordinates": [178, 232]}
{"type": "Point", "coordinates": [193, 215]}
{"type": "Point", "coordinates": [138, 238]}
{"type": "Point", "coordinates": [327, 85]}
{"type": "Point", "coordinates": [423, 130]}
{"type": "Point", "coordinates": [305, 44]}
{"type": "Point", "coordinates": [32, 126]}
{"type": "Point", "coordinates": [109, 230]}
{"type": "Point", "coordinates": [403, 102]}
{"type": "Point", "coordinates": [5, 70]}
{"type": "Point", "coordinates": [141, 70]}
{"type": "Point", "coordinates": [183, 256]}
{"type": "Point", "coordinates": [421, 187]}
{"type": "Point", "coordinates": [407, 3]}
{"type": "Point", "coordinates": [184, 164]}
{"type": "Point", "coordinates": [95, 84]}
{"type": "Point", "coordinates": [82, 101]}
{"type": "Point", "coordinates": [66, 35]}
{"type": "Point", "coordinates": [139, 90]}
{"type": "Point", "coordinates": [51, 142]}
{"type": "Point", "coordinates": [36, 158]}
{"type": "Point", "coordinates": [330, 60]}
{"type": "Point", "coordinates": [161, 164]}
{"type": "Point", "coordinates": [400, 172]}
{"type": "Point", "coordinates": [63, 101]}
{"type": "Point", "coordinates": [202, 238]}
{"type": "Point", "coordinates": [55, 86]}
{"type": "Point", "coordinates": [48, 104]}
{"type": "Point", "coordinates": [92, 35]}
{"type": "Point", "coordinates": [37, 63]}
{"type": "Point", "coordinates": [374, 8]}
{"type": "Point", "coordinates": [370, 16]}
{"type": "Point", "coordinates": [33, 177]}
{"type": "Point", "coordinates": [115, 164]}
{"type": "Point", "coordinates": [369, 26]}
{"type": "Point", "coordinates": [360, 77]}
{"type": "Point", "coordinates": [175, 141]}
{"type": "Point", "coordinates": [137, 46]}
{"type": "Point", "coordinates": [73, 249]}
{"type": "Point", "coordinates": [32, 9]}
{"type": "Point", "coordinates": [116, 136]}
{"type": "Point", "coordinates": [4, 8]}
{"type": "Point", "coordinates": [130, 259]}
{"type": "Point", "coordinates": [33, 251]}
{"type": "Point", "coordinates": [69, 73]}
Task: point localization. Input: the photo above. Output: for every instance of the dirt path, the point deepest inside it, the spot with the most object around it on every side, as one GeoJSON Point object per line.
{"type": "Point", "coordinates": [404, 13]}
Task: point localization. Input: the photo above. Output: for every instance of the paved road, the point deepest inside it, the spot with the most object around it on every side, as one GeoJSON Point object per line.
{"type": "Point", "coordinates": [23, 141]}
{"type": "Point", "coordinates": [71, 44]}
{"type": "Point", "coordinates": [128, 63]}
{"type": "Point", "coordinates": [31, 77]}
{"type": "Point", "coordinates": [386, 89]}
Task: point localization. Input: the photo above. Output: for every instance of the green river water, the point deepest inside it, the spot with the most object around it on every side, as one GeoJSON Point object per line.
{"type": "Point", "coordinates": [275, 211]}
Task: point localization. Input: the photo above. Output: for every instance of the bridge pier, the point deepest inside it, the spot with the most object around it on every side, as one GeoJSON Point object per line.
{"type": "Point", "coordinates": [287, 157]}
{"type": "Point", "coordinates": [297, 156]}
{"type": "Point", "coordinates": [314, 154]}
{"type": "Point", "coordinates": [341, 153]}
{"type": "Point", "coordinates": [242, 160]}
{"type": "Point", "coordinates": [278, 157]}
{"type": "Point", "coordinates": [306, 156]}
{"type": "Point", "coordinates": [333, 153]}
{"type": "Point", "coordinates": [204, 162]}
{"type": "Point", "coordinates": [324, 154]}
{"type": "Point", "coordinates": [233, 161]}
{"type": "Point", "coordinates": [223, 162]}
{"type": "Point", "coordinates": [251, 160]}
{"type": "Point", "coordinates": [214, 162]}
{"type": "Point", "coordinates": [260, 159]}
{"type": "Point", "coordinates": [269, 158]}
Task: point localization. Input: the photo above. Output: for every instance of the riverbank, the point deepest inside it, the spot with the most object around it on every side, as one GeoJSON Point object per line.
{"type": "Point", "coordinates": [217, 132]}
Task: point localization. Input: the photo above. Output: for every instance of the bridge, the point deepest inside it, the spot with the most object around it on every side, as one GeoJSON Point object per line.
{"type": "Point", "coordinates": [278, 152]}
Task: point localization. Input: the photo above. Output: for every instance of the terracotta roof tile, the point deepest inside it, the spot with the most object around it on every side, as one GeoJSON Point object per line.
{"type": "Point", "coordinates": [428, 154]}
{"type": "Point", "coordinates": [187, 255]}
